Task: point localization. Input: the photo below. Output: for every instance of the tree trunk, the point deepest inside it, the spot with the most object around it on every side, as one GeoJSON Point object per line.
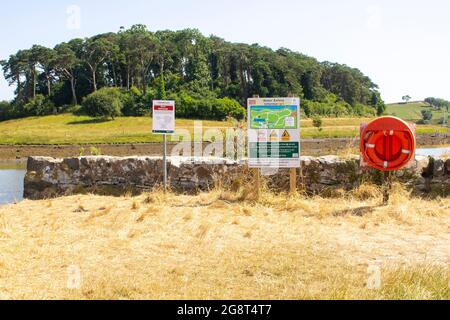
{"type": "Point", "coordinates": [94, 80]}
{"type": "Point", "coordinates": [19, 88]}
{"type": "Point", "coordinates": [74, 94]}
{"type": "Point", "coordinates": [49, 86]}
{"type": "Point", "coordinates": [34, 83]}
{"type": "Point", "coordinates": [144, 84]}
{"type": "Point", "coordinates": [114, 75]}
{"type": "Point", "coordinates": [128, 78]}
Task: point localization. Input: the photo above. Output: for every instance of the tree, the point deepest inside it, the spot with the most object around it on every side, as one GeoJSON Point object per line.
{"type": "Point", "coordinates": [95, 52]}
{"type": "Point", "coordinates": [65, 63]}
{"type": "Point", "coordinates": [378, 103]}
{"type": "Point", "coordinates": [46, 59]}
{"type": "Point", "coordinates": [13, 69]}
{"type": "Point", "coordinates": [141, 49]}
{"type": "Point", "coordinates": [438, 103]}
{"type": "Point", "coordinates": [406, 98]}
{"type": "Point", "coordinates": [185, 64]}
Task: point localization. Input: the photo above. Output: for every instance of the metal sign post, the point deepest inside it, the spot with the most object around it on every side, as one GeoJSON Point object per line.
{"type": "Point", "coordinates": [164, 124]}
{"type": "Point", "coordinates": [165, 161]}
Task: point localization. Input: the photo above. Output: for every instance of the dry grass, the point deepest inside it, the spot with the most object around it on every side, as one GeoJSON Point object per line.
{"type": "Point", "coordinates": [221, 245]}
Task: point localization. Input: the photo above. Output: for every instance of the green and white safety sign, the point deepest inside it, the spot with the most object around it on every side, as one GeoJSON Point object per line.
{"type": "Point", "coordinates": [274, 132]}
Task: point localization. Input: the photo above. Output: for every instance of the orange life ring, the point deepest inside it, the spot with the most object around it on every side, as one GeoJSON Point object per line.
{"type": "Point", "coordinates": [388, 143]}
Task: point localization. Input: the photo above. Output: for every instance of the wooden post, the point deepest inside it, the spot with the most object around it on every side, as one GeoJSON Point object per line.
{"type": "Point", "coordinates": [293, 171]}
{"type": "Point", "coordinates": [258, 183]}
{"type": "Point", "coordinates": [257, 172]}
{"type": "Point", "coordinates": [293, 180]}
{"type": "Point", "coordinates": [386, 187]}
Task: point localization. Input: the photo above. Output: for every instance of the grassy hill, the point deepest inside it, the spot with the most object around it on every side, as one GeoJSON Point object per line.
{"type": "Point", "coordinates": [68, 129]}
{"type": "Point", "coordinates": [412, 111]}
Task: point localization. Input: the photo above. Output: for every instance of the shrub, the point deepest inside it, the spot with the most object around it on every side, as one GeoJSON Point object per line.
{"type": "Point", "coordinates": [5, 110]}
{"type": "Point", "coordinates": [135, 103]}
{"type": "Point", "coordinates": [39, 106]}
{"type": "Point", "coordinates": [95, 151]}
{"type": "Point", "coordinates": [317, 122]}
{"type": "Point", "coordinates": [442, 121]}
{"type": "Point", "coordinates": [427, 115]}
{"type": "Point", "coordinates": [104, 103]}
{"type": "Point", "coordinates": [227, 107]}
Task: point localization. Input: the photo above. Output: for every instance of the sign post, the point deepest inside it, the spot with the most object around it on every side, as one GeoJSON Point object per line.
{"type": "Point", "coordinates": [274, 135]}
{"type": "Point", "coordinates": [164, 124]}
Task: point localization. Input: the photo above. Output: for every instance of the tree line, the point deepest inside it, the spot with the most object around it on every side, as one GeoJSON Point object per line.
{"type": "Point", "coordinates": [200, 73]}
{"type": "Point", "coordinates": [438, 103]}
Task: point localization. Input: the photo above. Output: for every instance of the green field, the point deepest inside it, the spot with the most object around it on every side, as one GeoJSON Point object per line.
{"type": "Point", "coordinates": [69, 129]}
{"type": "Point", "coordinates": [412, 111]}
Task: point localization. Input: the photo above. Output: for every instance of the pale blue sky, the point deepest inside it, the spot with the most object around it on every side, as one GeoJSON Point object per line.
{"type": "Point", "coordinates": [402, 45]}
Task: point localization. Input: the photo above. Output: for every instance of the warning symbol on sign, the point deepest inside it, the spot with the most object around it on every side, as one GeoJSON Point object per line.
{"type": "Point", "coordinates": [274, 136]}
{"type": "Point", "coordinates": [286, 136]}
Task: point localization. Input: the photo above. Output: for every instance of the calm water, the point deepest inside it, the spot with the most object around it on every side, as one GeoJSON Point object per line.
{"type": "Point", "coordinates": [11, 181]}
{"type": "Point", "coordinates": [434, 152]}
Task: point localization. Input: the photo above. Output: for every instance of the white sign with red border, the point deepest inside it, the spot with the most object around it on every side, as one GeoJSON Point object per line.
{"type": "Point", "coordinates": [163, 117]}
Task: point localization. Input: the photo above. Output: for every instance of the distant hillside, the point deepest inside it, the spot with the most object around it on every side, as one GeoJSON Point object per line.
{"type": "Point", "coordinates": [413, 111]}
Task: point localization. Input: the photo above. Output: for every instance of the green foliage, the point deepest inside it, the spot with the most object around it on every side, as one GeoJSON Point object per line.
{"type": "Point", "coordinates": [195, 70]}
{"type": "Point", "coordinates": [95, 151]}
{"type": "Point", "coordinates": [39, 106]}
{"type": "Point", "coordinates": [161, 88]}
{"type": "Point", "coordinates": [209, 108]}
{"type": "Point", "coordinates": [427, 115]}
{"type": "Point", "coordinates": [317, 123]}
{"type": "Point", "coordinates": [133, 103]}
{"type": "Point", "coordinates": [438, 103]}
{"type": "Point", "coordinates": [5, 110]}
{"type": "Point", "coordinates": [104, 103]}
{"type": "Point", "coordinates": [406, 98]}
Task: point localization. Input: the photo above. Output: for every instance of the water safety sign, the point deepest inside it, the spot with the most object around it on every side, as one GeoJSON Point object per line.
{"type": "Point", "coordinates": [274, 132]}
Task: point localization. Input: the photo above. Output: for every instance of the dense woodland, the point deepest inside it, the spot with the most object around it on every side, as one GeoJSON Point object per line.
{"type": "Point", "coordinates": [207, 76]}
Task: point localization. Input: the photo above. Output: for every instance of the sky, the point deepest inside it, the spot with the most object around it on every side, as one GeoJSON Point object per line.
{"type": "Point", "coordinates": [403, 46]}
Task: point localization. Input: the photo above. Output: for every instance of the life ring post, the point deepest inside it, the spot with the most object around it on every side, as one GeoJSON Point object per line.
{"type": "Point", "coordinates": [387, 184]}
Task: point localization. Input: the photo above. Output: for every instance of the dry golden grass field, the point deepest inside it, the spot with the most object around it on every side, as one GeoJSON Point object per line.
{"type": "Point", "coordinates": [221, 245]}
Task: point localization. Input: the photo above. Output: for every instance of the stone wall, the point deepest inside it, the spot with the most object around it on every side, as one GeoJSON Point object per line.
{"type": "Point", "coordinates": [48, 177]}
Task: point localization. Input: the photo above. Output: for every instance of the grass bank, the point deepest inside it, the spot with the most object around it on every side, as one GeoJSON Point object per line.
{"type": "Point", "coordinates": [69, 129]}
{"type": "Point", "coordinates": [215, 246]}
{"type": "Point", "coordinates": [413, 111]}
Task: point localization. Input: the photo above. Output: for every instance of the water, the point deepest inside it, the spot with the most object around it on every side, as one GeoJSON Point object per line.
{"type": "Point", "coordinates": [434, 152]}
{"type": "Point", "coordinates": [11, 182]}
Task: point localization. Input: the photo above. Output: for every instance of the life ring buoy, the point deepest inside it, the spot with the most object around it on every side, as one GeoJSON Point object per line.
{"type": "Point", "coordinates": [404, 153]}
{"type": "Point", "coordinates": [387, 144]}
